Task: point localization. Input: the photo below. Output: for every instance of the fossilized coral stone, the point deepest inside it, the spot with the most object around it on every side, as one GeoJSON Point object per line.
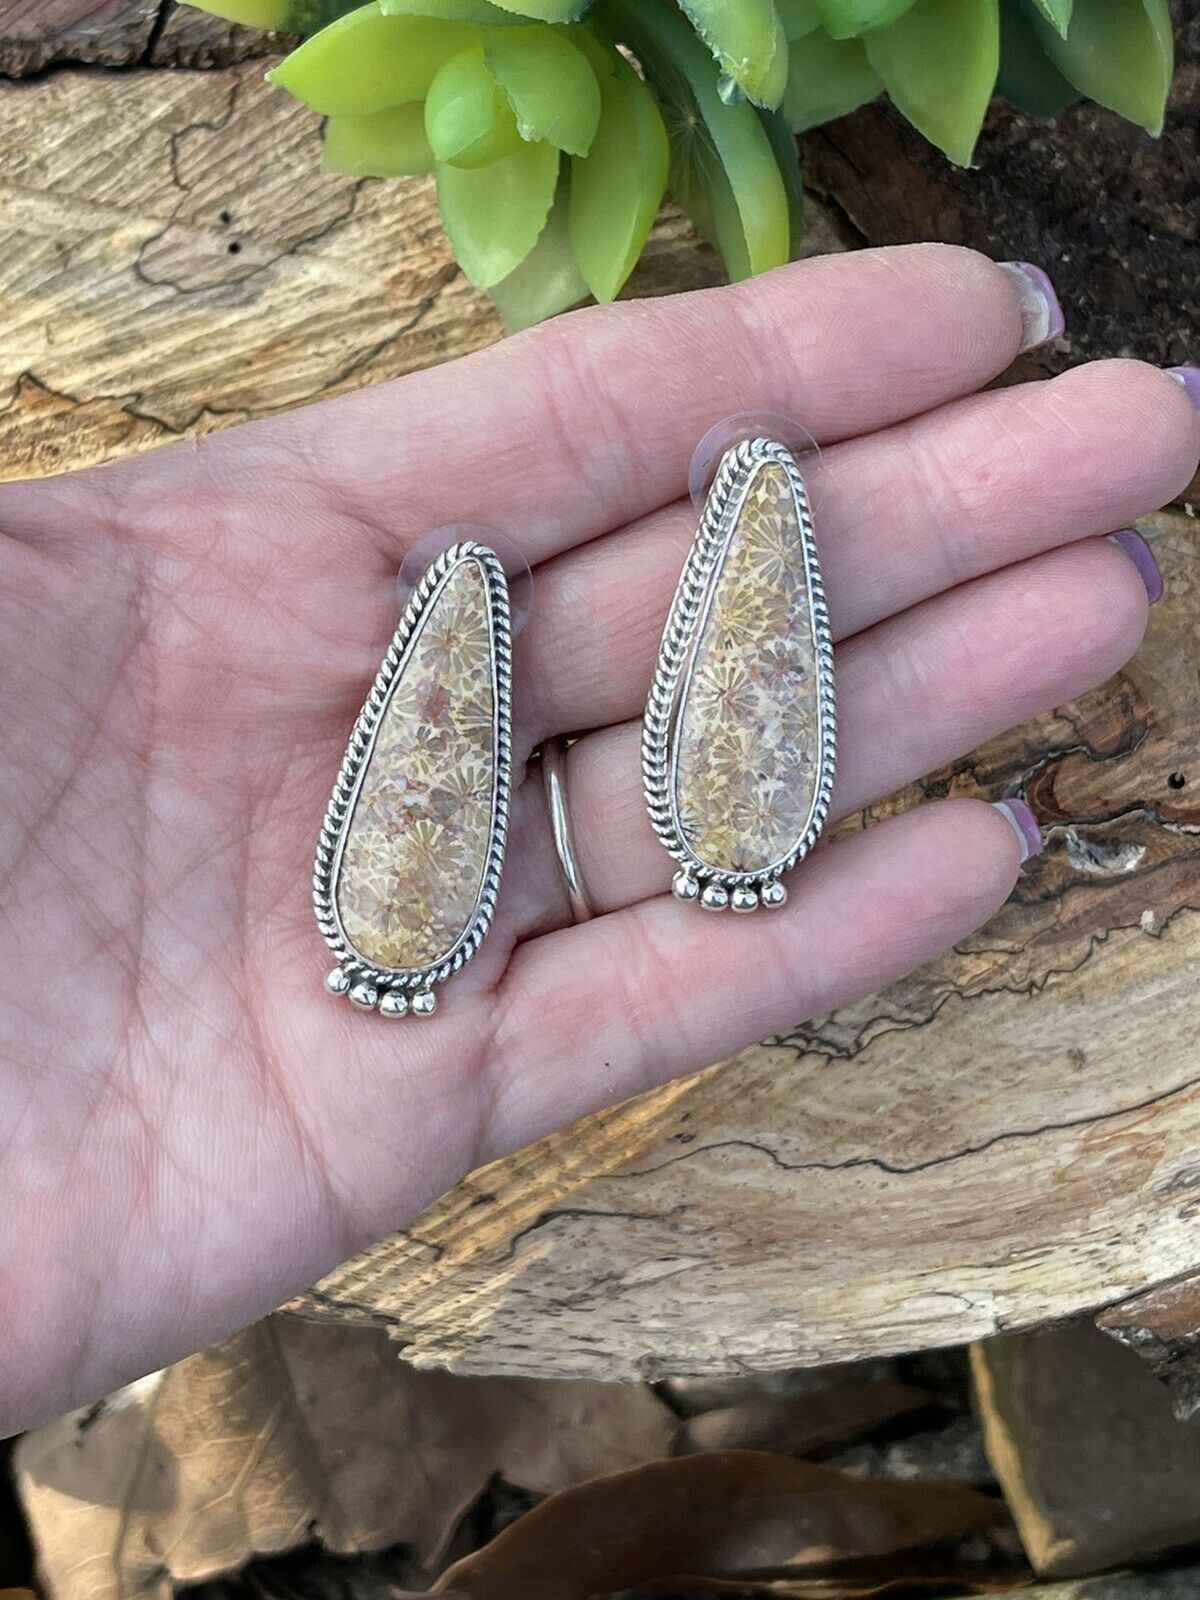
{"type": "Point", "coordinates": [416, 846]}
{"type": "Point", "coordinates": [746, 735]}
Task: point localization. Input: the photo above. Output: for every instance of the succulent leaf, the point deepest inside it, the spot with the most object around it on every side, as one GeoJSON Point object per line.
{"type": "Point", "coordinates": [493, 215]}
{"type": "Point", "coordinates": [703, 192]}
{"type": "Point", "coordinates": [548, 280]}
{"type": "Point", "coordinates": [258, 13]}
{"type": "Point", "coordinates": [547, 10]}
{"type": "Point", "coordinates": [616, 189]}
{"type": "Point", "coordinates": [468, 120]}
{"type": "Point", "coordinates": [1028, 78]}
{"type": "Point", "coordinates": [849, 19]}
{"type": "Point", "coordinates": [490, 93]}
{"type": "Point", "coordinates": [549, 83]}
{"type": "Point", "coordinates": [747, 39]}
{"type": "Point", "coordinates": [1057, 13]}
{"type": "Point", "coordinates": [828, 78]}
{"type": "Point", "coordinates": [479, 11]}
{"type": "Point", "coordinates": [721, 152]}
{"type": "Point", "coordinates": [1120, 55]}
{"type": "Point", "coordinates": [784, 145]}
{"type": "Point", "coordinates": [309, 16]}
{"type": "Point", "coordinates": [366, 61]}
{"type": "Point", "coordinates": [386, 144]}
{"type": "Point", "coordinates": [798, 17]}
{"type": "Point", "coordinates": [939, 64]}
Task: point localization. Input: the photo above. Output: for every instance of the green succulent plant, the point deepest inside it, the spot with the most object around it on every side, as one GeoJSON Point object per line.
{"type": "Point", "coordinates": [552, 150]}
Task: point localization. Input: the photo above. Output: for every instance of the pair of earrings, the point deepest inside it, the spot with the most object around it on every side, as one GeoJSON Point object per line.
{"type": "Point", "coordinates": [737, 750]}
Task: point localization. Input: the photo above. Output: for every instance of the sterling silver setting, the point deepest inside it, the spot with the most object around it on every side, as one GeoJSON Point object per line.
{"type": "Point", "coordinates": [409, 991]}
{"type": "Point", "coordinates": [712, 888]}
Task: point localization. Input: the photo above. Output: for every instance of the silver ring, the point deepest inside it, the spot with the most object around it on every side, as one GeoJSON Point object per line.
{"type": "Point", "coordinates": [553, 757]}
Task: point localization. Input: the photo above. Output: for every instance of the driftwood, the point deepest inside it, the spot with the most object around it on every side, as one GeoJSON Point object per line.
{"type": "Point", "coordinates": [1004, 1138]}
{"type": "Point", "coordinates": [203, 270]}
{"type": "Point", "coordinates": [36, 34]}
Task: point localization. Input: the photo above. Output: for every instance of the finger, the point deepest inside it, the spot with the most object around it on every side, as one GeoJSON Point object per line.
{"type": "Point", "coordinates": [914, 693]}
{"type": "Point", "coordinates": [590, 420]}
{"type": "Point", "coordinates": [564, 432]}
{"type": "Point", "coordinates": [899, 517]}
{"type": "Point", "coordinates": [667, 989]}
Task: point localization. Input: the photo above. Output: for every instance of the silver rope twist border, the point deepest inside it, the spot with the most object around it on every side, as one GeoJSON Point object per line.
{"type": "Point", "coordinates": [358, 752]}
{"type": "Point", "coordinates": [728, 490]}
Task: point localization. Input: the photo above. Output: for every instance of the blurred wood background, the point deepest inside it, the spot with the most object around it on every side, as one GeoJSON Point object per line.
{"type": "Point", "coordinates": [1007, 1137]}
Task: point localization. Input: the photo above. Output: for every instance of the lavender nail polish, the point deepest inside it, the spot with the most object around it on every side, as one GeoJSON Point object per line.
{"type": "Point", "coordinates": [1188, 379]}
{"type": "Point", "coordinates": [1042, 319]}
{"type": "Point", "coordinates": [1023, 823]}
{"type": "Point", "coordinates": [1140, 553]}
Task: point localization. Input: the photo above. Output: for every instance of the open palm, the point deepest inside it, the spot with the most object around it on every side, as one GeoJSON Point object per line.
{"type": "Point", "coordinates": [192, 1128]}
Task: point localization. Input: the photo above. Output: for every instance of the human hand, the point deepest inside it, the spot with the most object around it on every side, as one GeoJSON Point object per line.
{"type": "Point", "coordinates": [192, 1128]}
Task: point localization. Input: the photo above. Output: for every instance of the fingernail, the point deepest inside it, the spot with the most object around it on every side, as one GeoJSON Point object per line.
{"type": "Point", "coordinates": [1188, 379]}
{"type": "Point", "coordinates": [1042, 319]}
{"type": "Point", "coordinates": [1140, 553]}
{"type": "Point", "coordinates": [1023, 823]}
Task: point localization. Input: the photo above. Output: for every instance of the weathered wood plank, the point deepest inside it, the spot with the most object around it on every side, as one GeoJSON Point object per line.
{"type": "Point", "coordinates": [36, 34]}
{"type": "Point", "coordinates": [173, 259]}
{"type": "Point", "coordinates": [192, 39]}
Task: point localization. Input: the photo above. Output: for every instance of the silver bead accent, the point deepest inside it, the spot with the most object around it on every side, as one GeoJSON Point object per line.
{"type": "Point", "coordinates": [393, 1003]}
{"type": "Point", "coordinates": [423, 1003]}
{"type": "Point", "coordinates": [743, 898]}
{"type": "Point", "coordinates": [684, 886]}
{"type": "Point", "coordinates": [337, 981]}
{"type": "Point", "coordinates": [714, 897]}
{"type": "Point", "coordinates": [773, 894]}
{"type": "Point", "coordinates": [365, 995]}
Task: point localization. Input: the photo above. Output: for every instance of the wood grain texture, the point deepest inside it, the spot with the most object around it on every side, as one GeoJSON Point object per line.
{"type": "Point", "coordinates": [172, 259]}
{"type": "Point", "coordinates": [1007, 1136]}
{"type": "Point", "coordinates": [36, 34]}
{"type": "Point", "coordinates": [175, 261]}
{"type": "Point", "coordinates": [190, 38]}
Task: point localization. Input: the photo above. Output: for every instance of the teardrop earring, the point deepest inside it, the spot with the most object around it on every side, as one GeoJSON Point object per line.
{"type": "Point", "coordinates": [739, 735]}
{"type": "Point", "coordinates": [411, 851]}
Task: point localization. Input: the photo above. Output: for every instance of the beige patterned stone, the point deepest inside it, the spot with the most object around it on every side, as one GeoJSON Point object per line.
{"type": "Point", "coordinates": [417, 845]}
{"type": "Point", "coordinates": [745, 767]}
